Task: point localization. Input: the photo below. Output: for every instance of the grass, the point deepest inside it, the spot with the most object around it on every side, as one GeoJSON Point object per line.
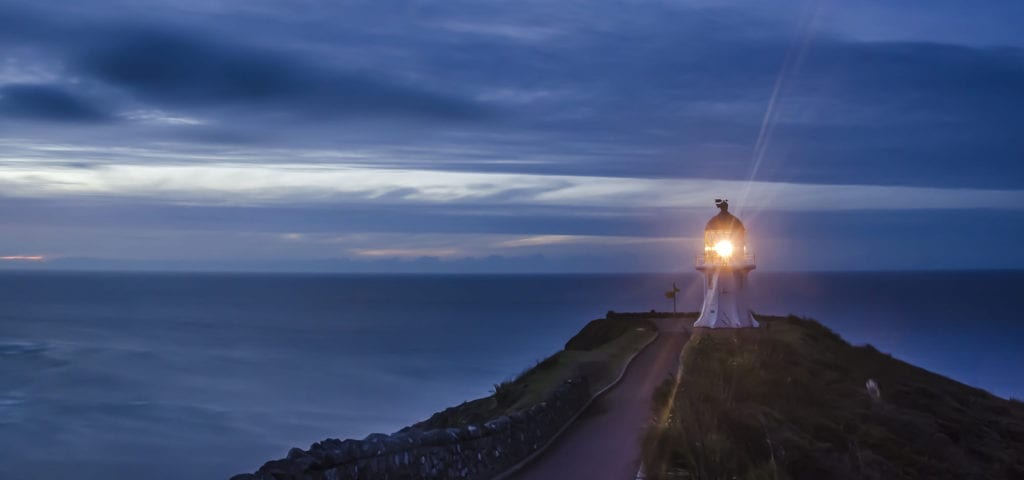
{"type": "Point", "coordinates": [598, 353]}
{"type": "Point", "coordinates": [788, 401]}
{"type": "Point", "coordinates": [600, 365]}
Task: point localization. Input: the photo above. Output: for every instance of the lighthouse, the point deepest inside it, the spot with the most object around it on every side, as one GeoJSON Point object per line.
{"type": "Point", "coordinates": [725, 264]}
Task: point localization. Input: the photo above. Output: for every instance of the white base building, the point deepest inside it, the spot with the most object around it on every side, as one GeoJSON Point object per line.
{"type": "Point", "coordinates": [724, 305]}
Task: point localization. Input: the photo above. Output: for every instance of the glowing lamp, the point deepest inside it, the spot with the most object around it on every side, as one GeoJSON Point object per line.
{"type": "Point", "coordinates": [723, 248]}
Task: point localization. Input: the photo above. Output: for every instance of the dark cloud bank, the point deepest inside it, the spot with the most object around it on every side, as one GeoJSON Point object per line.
{"type": "Point", "coordinates": [47, 103]}
{"type": "Point", "coordinates": [683, 90]}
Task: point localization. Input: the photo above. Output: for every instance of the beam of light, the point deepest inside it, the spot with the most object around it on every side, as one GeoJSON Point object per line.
{"type": "Point", "coordinates": [790, 68]}
{"type": "Point", "coordinates": [23, 258]}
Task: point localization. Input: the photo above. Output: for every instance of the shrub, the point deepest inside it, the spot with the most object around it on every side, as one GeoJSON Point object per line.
{"type": "Point", "coordinates": [504, 393]}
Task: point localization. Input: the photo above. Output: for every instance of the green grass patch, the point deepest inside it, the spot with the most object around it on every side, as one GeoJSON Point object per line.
{"type": "Point", "coordinates": [598, 353]}
{"type": "Point", "coordinates": [600, 365]}
{"type": "Point", "coordinates": [789, 401]}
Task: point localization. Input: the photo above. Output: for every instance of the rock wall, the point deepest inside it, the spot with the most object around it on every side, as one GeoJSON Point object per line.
{"type": "Point", "coordinates": [473, 452]}
{"type": "Point", "coordinates": [613, 315]}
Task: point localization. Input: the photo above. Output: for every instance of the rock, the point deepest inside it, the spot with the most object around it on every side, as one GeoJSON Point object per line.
{"type": "Point", "coordinates": [464, 434]}
{"type": "Point", "coordinates": [375, 437]}
{"type": "Point", "coordinates": [434, 437]}
{"type": "Point", "coordinates": [873, 390]}
{"type": "Point", "coordinates": [326, 444]}
{"type": "Point", "coordinates": [498, 424]}
{"type": "Point", "coordinates": [473, 451]}
{"type": "Point", "coordinates": [517, 418]}
{"type": "Point", "coordinates": [321, 458]}
{"type": "Point", "coordinates": [284, 468]}
{"type": "Point", "coordinates": [295, 453]}
{"type": "Point", "coordinates": [372, 445]}
{"type": "Point", "coordinates": [413, 437]}
{"type": "Point", "coordinates": [343, 453]}
{"type": "Point", "coordinates": [396, 443]}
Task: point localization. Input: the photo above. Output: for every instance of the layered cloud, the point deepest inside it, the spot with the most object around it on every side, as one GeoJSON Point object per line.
{"type": "Point", "coordinates": [548, 123]}
{"type": "Point", "coordinates": [674, 90]}
{"type": "Point", "coordinates": [174, 70]}
{"type": "Point", "coordinates": [276, 184]}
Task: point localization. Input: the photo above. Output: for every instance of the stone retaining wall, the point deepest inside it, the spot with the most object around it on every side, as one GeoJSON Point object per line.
{"type": "Point", "coordinates": [473, 452]}
{"type": "Point", "coordinates": [613, 315]}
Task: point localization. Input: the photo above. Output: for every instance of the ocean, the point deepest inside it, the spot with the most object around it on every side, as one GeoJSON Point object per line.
{"type": "Point", "coordinates": [201, 376]}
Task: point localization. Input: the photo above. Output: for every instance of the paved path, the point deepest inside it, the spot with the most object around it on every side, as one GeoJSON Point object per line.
{"type": "Point", "coordinates": [604, 443]}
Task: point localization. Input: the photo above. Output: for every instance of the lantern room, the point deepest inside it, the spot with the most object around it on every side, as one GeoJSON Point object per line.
{"type": "Point", "coordinates": [724, 240]}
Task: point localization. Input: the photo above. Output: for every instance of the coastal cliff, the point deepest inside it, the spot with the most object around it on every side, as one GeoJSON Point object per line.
{"type": "Point", "coordinates": [486, 437]}
{"type": "Point", "coordinates": [790, 400]}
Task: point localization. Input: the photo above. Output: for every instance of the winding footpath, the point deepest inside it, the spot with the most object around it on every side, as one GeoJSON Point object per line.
{"type": "Point", "coordinates": [604, 442]}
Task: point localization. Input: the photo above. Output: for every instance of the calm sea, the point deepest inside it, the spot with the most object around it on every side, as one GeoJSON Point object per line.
{"type": "Point", "coordinates": [201, 376]}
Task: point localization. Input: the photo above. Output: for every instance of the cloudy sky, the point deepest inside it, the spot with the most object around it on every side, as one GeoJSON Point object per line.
{"type": "Point", "coordinates": [509, 136]}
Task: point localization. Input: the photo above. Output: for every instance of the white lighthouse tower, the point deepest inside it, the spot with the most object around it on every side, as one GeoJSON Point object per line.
{"type": "Point", "coordinates": [725, 265]}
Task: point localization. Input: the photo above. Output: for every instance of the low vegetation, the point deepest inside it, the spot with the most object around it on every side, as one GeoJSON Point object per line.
{"type": "Point", "coordinates": [790, 401]}
{"type": "Point", "coordinates": [597, 353]}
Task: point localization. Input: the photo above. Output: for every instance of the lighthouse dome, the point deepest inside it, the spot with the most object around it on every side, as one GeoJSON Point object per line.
{"type": "Point", "coordinates": [725, 221]}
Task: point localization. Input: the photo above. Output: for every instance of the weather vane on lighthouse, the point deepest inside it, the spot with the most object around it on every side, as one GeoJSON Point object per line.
{"type": "Point", "coordinates": [725, 264]}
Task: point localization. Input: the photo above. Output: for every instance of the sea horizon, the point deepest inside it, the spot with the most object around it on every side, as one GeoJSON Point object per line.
{"type": "Point", "coordinates": [7, 269]}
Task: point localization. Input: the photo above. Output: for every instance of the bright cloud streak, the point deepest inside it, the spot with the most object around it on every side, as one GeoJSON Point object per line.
{"type": "Point", "coordinates": [405, 252]}
{"type": "Point", "coordinates": [469, 245]}
{"type": "Point", "coordinates": [242, 184]}
{"type": "Point", "coordinates": [23, 258]}
{"type": "Point", "coordinates": [547, 240]}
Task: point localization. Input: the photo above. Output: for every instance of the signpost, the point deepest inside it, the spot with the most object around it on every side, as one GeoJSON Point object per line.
{"type": "Point", "coordinates": [672, 294]}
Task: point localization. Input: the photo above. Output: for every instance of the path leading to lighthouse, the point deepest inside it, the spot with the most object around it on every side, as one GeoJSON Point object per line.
{"type": "Point", "coordinates": [604, 443]}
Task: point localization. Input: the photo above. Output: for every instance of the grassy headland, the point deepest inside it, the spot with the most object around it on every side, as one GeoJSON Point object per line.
{"type": "Point", "coordinates": [789, 401]}
{"type": "Point", "coordinates": [597, 353]}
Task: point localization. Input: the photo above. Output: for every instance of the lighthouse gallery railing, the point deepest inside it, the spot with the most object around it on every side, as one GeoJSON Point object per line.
{"type": "Point", "coordinates": [703, 261]}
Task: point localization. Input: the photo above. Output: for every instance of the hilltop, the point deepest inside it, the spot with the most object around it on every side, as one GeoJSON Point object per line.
{"type": "Point", "coordinates": [596, 354]}
{"type": "Point", "coordinates": [790, 401]}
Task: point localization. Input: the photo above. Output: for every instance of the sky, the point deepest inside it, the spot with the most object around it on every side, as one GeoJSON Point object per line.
{"type": "Point", "coordinates": [531, 136]}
